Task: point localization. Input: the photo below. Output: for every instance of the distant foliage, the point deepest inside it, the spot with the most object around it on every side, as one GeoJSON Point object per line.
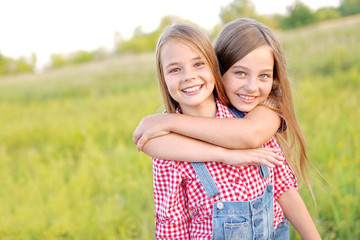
{"type": "Point", "coordinates": [78, 57]}
{"type": "Point", "coordinates": [323, 14]}
{"type": "Point", "coordinates": [144, 42]}
{"type": "Point", "coordinates": [140, 42]}
{"type": "Point", "coordinates": [20, 65]}
{"type": "Point", "coordinates": [299, 15]}
{"type": "Point", "coordinates": [236, 9]}
{"type": "Point", "coordinates": [349, 7]}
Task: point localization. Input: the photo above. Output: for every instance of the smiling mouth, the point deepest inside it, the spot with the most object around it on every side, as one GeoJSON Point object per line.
{"type": "Point", "coordinates": [192, 89]}
{"type": "Point", "coordinates": [246, 97]}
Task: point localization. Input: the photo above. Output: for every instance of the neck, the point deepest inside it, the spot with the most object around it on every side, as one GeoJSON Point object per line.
{"type": "Point", "coordinates": [206, 109]}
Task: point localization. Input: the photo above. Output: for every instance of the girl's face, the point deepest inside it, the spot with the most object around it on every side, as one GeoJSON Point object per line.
{"type": "Point", "coordinates": [189, 80]}
{"type": "Point", "coordinates": [249, 81]}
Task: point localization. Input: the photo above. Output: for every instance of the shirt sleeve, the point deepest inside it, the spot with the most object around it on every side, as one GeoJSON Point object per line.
{"type": "Point", "coordinates": [171, 206]}
{"type": "Point", "coordinates": [284, 177]}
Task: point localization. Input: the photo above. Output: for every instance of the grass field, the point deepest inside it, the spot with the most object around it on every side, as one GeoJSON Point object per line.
{"type": "Point", "coordinates": [69, 169]}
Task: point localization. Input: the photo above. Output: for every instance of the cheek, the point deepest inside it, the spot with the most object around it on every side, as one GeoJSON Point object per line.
{"type": "Point", "coordinates": [230, 86]}
{"type": "Point", "coordinates": [170, 85]}
{"type": "Point", "coordinates": [266, 88]}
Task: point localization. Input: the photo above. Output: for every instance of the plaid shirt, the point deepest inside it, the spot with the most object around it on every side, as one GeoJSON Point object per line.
{"type": "Point", "coordinates": [182, 208]}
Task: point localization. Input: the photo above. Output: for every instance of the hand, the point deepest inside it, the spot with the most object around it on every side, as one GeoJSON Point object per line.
{"type": "Point", "coordinates": [150, 127]}
{"type": "Point", "coordinates": [261, 156]}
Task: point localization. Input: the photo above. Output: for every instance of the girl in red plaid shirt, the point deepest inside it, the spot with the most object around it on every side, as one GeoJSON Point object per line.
{"type": "Point", "coordinates": [188, 87]}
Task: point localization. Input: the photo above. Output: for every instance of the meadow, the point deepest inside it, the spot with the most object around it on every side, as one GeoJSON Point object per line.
{"type": "Point", "coordinates": [69, 169]}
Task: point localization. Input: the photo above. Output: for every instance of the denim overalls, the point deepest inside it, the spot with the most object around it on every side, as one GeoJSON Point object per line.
{"type": "Point", "coordinates": [238, 220]}
{"type": "Point", "coordinates": [252, 219]}
{"type": "Point", "coordinates": [282, 232]}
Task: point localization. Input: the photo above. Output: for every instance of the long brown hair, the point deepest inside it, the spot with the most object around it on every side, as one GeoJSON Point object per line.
{"type": "Point", "coordinates": [237, 39]}
{"type": "Point", "coordinates": [200, 43]}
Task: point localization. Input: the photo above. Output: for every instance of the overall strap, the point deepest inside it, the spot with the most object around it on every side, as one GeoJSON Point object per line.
{"type": "Point", "coordinates": [236, 112]}
{"type": "Point", "coordinates": [264, 170]}
{"type": "Point", "coordinates": [205, 178]}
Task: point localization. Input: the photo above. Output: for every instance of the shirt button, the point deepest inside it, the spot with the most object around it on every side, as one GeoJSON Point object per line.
{"type": "Point", "coordinates": [220, 206]}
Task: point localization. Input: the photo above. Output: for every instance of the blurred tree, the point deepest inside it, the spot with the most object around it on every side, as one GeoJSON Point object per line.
{"type": "Point", "coordinates": [23, 66]}
{"type": "Point", "coordinates": [144, 42]}
{"type": "Point", "coordinates": [57, 60]}
{"type": "Point", "coordinates": [349, 7]}
{"type": "Point", "coordinates": [327, 13]}
{"type": "Point", "coordinates": [77, 57]}
{"type": "Point", "coordinates": [80, 57]}
{"type": "Point", "coordinates": [20, 65]}
{"type": "Point", "coordinates": [299, 15]}
{"type": "Point", "coordinates": [237, 9]}
{"type": "Point", "coordinates": [3, 65]}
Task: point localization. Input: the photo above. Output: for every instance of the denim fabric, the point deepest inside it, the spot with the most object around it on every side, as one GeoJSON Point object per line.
{"type": "Point", "coordinates": [282, 232]}
{"type": "Point", "coordinates": [205, 178]}
{"type": "Point", "coordinates": [253, 219]}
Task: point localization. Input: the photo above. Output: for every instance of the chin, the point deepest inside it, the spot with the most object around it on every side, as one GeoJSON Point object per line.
{"type": "Point", "coordinates": [243, 108]}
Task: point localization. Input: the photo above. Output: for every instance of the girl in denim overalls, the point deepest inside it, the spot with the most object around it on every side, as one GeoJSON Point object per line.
{"type": "Point", "coordinates": [258, 210]}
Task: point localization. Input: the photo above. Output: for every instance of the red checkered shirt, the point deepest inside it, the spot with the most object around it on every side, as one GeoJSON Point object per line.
{"type": "Point", "coordinates": [182, 208]}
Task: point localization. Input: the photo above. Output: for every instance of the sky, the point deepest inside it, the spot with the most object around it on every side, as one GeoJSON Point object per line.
{"type": "Point", "coordinates": [45, 27]}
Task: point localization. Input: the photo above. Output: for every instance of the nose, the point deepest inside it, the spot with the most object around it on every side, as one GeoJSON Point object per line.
{"type": "Point", "coordinates": [251, 84]}
{"type": "Point", "coordinates": [189, 74]}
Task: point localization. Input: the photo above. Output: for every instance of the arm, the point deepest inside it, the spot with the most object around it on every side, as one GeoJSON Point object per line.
{"type": "Point", "coordinates": [171, 208]}
{"type": "Point", "coordinates": [295, 210]}
{"type": "Point", "coordinates": [252, 131]}
{"type": "Point", "coordinates": [180, 148]}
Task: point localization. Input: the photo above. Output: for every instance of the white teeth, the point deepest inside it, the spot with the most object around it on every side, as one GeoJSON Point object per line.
{"type": "Point", "coordinates": [189, 90]}
{"type": "Point", "coordinates": [247, 97]}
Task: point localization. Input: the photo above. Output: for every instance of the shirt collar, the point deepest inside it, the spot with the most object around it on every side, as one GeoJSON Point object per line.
{"type": "Point", "coordinates": [220, 109]}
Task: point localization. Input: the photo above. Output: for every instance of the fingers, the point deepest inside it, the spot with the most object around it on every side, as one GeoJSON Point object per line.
{"type": "Point", "coordinates": [266, 156]}
{"type": "Point", "coordinates": [260, 160]}
{"type": "Point", "coordinates": [141, 142]}
{"type": "Point", "coordinates": [273, 154]}
{"type": "Point", "coordinates": [136, 136]}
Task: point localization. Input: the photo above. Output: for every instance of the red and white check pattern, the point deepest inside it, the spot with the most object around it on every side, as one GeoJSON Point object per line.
{"type": "Point", "coordinates": [182, 208]}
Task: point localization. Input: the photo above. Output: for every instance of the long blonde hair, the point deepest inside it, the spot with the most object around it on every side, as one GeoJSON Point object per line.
{"type": "Point", "coordinates": [200, 43]}
{"type": "Point", "coordinates": [237, 39]}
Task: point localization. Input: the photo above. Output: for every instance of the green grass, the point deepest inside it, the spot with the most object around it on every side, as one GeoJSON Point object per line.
{"type": "Point", "coordinates": [69, 169]}
{"type": "Point", "coordinates": [324, 65]}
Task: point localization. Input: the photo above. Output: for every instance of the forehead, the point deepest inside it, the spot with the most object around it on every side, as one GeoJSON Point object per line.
{"type": "Point", "coordinates": [260, 56]}
{"type": "Point", "coordinates": [177, 51]}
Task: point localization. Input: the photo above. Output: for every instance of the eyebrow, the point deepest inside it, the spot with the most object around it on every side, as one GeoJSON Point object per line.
{"type": "Point", "coordinates": [246, 68]}
{"type": "Point", "coordinates": [170, 65]}
{"type": "Point", "coordinates": [175, 63]}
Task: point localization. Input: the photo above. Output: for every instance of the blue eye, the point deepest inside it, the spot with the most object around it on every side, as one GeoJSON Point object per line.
{"type": "Point", "coordinates": [240, 73]}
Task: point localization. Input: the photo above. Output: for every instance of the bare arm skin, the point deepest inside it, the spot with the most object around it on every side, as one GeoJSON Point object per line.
{"type": "Point", "coordinates": [295, 210]}
{"type": "Point", "coordinates": [180, 148]}
{"type": "Point", "coordinates": [256, 128]}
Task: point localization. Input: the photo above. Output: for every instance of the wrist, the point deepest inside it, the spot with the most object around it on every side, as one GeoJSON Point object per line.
{"type": "Point", "coordinates": [221, 154]}
{"type": "Point", "coordinates": [170, 122]}
{"type": "Point", "coordinates": [176, 122]}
